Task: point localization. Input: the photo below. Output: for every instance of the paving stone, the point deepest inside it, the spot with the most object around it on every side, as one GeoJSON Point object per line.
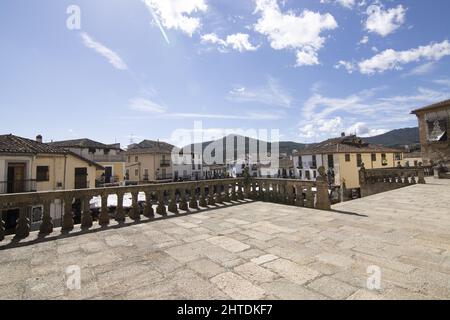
{"type": "Point", "coordinates": [292, 271]}
{"type": "Point", "coordinates": [255, 273]}
{"type": "Point", "coordinates": [264, 258]}
{"type": "Point", "coordinates": [237, 287]}
{"type": "Point", "coordinates": [287, 290]}
{"type": "Point", "coordinates": [206, 267]}
{"type": "Point", "coordinates": [229, 244]}
{"type": "Point", "coordinates": [332, 288]}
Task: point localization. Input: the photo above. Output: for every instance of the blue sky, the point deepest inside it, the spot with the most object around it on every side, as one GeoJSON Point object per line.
{"type": "Point", "coordinates": [310, 68]}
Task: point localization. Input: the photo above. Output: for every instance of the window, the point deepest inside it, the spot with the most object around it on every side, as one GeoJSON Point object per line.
{"type": "Point", "coordinates": [136, 172]}
{"type": "Point", "coordinates": [359, 160]}
{"type": "Point", "coordinates": [315, 174]}
{"type": "Point", "coordinates": [398, 156]}
{"type": "Point", "coordinates": [384, 160]}
{"type": "Point", "coordinates": [330, 161]}
{"type": "Point", "coordinates": [36, 214]}
{"type": "Point", "coordinates": [129, 159]}
{"type": "Point", "coordinates": [300, 162]}
{"type": "Point", "coordinates": [308, 175]}
{"type": "Point", "coordinates": [347, 158]}
{"type": "Point", "coordinates": [300, 174]}
{"type": "Point", "coordinates": [136, 159]}
{"type": "Point", "coordinates": [374, 157]}
{"type": "Point", "coordinates": [145, 174]}
{"type": "Point", "coordinates": [127, 174]}
{"type": "Point", "coordinates": [314, 161]}
{"type": "Point", "coordinates": [42, 173]}
{"type": "Point", "coordinates": [106, 151]}
{"type": "Point", "coordinates": [92, 150]}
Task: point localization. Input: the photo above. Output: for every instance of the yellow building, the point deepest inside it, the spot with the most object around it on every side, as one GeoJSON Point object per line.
{"type": "Point", "coordinates": [29, 166]}
{"type": "Point", "coordinates": [109, 156]}
{"type": "Point", "coordinates": [149, 161]}
{"type": "Point", "coordinates": [342, 158]}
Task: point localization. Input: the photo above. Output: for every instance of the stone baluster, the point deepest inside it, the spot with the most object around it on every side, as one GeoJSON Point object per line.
{"type": "Point", "coordinates": [413, 179]}
{"type": "Point", "coordinates": [103, 218]}
{"type": "Point", "coordinates": [2, 230]}
{"type": "Point", "coordinates": [135, 210]}
{"type": "Point", "coordinates": [202, 202]}
{"type": "Point", "coordinates": [226, 192]}
{"type": "Point", "coordinates": [290, 200]}
{"type": "Point", "coordinates": [240, 193]}
{"type": "Point", "coordinates": [299, 199]}
{"type": "Point", "coordinates": [183, 200]}
{"type": "Point", "coordinates": [86, 217]}
{"type": "Point", "coordinates": [406, 179]}
{"type": "Point", "coordinates": [67, 221]}
{"type": "Point", "coordinates": [193, 198]}
{"type": "Point", "coordinates": [267, 191]}
{"type": "Point", "coordinates": [161, 208]}
{"type": "Point", "coordinates": [148, 212]}
{"type": "Point", "coordinates": [233, 192]}
{"type": "Point", "coordinates": [47, 224]}
{"type": "Point", "coordinates": [261, 186]}
{"type": "Point", "coordinates": [254, 195]}
{"type": "Point", "coordinates": [173, 201]}
{"type": "Point", "coordinates": [211, 200]}
{"type": "Point", "coordinates": [218, 194]}
{"type": "Point", "coordinates": [23, 222]}
{"type": "Point", "coordinates": [309, 197]}
{"type": "Point", "coordinates": [120, 212]}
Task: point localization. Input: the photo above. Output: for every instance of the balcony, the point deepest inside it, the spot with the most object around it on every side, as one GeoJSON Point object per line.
{"type": "Point", "coordinates": [165, 163]}
{"type": "Point", "coordinates": [19, 186]}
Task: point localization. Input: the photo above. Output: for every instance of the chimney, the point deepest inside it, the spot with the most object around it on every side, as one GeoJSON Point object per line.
{"type": "Point", "coordinates": [343, 134]}
{"type": "Point", "coordinates": [39, 138]}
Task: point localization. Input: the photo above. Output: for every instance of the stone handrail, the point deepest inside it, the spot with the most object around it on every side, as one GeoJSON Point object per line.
{"type": "Point", "coordinates": [373, 181]}
{"type": "Point", "coordinates": [178, 196]}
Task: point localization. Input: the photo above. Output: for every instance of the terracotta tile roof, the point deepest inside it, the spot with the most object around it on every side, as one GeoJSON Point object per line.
{"type": "Point", "coordinates": [348, 144]}
{"type": "Point", "coordinates": [82, 143]}
{"type": "Point", "coordinates": [151, 146]}
{"type": "Point", "coordinates": [13, 144]}
{"type": "Point", "coordinates": [433, 106]}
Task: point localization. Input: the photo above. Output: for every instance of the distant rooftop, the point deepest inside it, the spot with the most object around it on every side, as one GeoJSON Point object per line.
{"type": "Point", "coordinates": [151, 146]}
{"type": "Point", "coordinates": [83, 143]}
{"type": "Point", "coordinates": [345, 144]}
{"type": "Point", "coordinates": [13, 144]}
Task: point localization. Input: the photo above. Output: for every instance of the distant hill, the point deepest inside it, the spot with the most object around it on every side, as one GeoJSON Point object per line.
{"type": "Point", "coordinates": [396, 138]}
{"type": "Point", "coordinates": [284, 146]}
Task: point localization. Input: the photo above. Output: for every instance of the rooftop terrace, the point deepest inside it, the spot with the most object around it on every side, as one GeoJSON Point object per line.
{"type": "Point", "coordinates": [253, 250]}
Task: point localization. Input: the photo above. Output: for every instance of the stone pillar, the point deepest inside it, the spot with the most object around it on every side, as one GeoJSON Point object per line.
{"type": "Point", "coordinates": [183, 201]}
{"type": "Point", "coordinates": [47, 224]}
{"type": "Point", "coordinates": [67, 221]}
{"type": "Point", "coordinates": [161, 209]}
{"type": "Point", "coordinates": [120, 213]}
{"type": "Point", "coordinates": [173, 201]}
{"type": "Point", "coordinates": [23, 223]}
{"type": "Point", "coordinates": [135, 211]}
{"type": "Point", "coordinates": [202, 203]}
{"type": "Point", "coordinates": [254, 195]}
{"type": "Point", "coordinates": [290, 195]}
{"type": "Point", "coordinates": [148, 212]}
{"type": "Point", "coordinates": [103, 218]}
{"type": "Point", "coordinates": [86, 217]}
{"type": "Point", "coordinates": [193, 198]}
{"type": "Point", "coordinates": [421, 176]}
{"type": "Point", "coordinates": [323, 198]}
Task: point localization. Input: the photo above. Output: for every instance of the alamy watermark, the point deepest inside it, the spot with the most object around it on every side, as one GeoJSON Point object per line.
{"type": "Point", "coordinates": [73, 277]}
{"type": "Point", "coordinates": [73, 22]}
{"type": "Point", "coordinates": [374, 280]}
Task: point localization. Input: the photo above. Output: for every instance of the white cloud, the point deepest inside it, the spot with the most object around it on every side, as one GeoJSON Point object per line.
{"type": "Point", "coordinates": [349, 66]}
{"type": "Point", "coordinates": [393, 60]}
{"type": "Point", "coordinates": [290, 31]}
{"type": "Point", "coordinates": [384, 22]}
{"type": "Point", "coordinates": [145, 105]}
{"type": "Point", "coordinates": [443, 82]}
{"type": "Point", "coordinates": [112, 57]}
{"type": "Point", "coordinates": [177, 14]}
{"type": "Point", "coordinates": [239, 42]}
{"type": "Point", "coordinates": [349, 4]}
{"type": "Point", "coordinates": [271, 94]}
{"type": "Point", "coordinates": [422, 69]}
{"type": "Point", "coordinates": [364, 40]}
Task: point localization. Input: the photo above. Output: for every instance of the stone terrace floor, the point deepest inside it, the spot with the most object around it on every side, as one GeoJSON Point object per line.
{"type": "Point", "coordinates": [253, 251]}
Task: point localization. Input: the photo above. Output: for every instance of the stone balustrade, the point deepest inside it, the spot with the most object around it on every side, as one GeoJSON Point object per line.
{"type": "Point", "coordinates": [160, 199]}
{"type": "Point", "coordinates": [373, 181]}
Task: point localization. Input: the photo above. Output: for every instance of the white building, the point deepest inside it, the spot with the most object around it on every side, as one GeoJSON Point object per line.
{"type": "Point", "coordinates": [188, 166]}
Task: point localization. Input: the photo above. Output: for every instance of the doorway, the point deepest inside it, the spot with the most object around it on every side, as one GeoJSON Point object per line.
{"type": "Point", "coordinates": [16, 178]}
{"type": "Point", "coordinates": [81, 178]}
{"type": "Point", "coordinates": [108, 174]}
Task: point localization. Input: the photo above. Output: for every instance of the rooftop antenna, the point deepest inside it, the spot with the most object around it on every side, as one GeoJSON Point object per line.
{"type": "Point", "coordinates": [131, 138]}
